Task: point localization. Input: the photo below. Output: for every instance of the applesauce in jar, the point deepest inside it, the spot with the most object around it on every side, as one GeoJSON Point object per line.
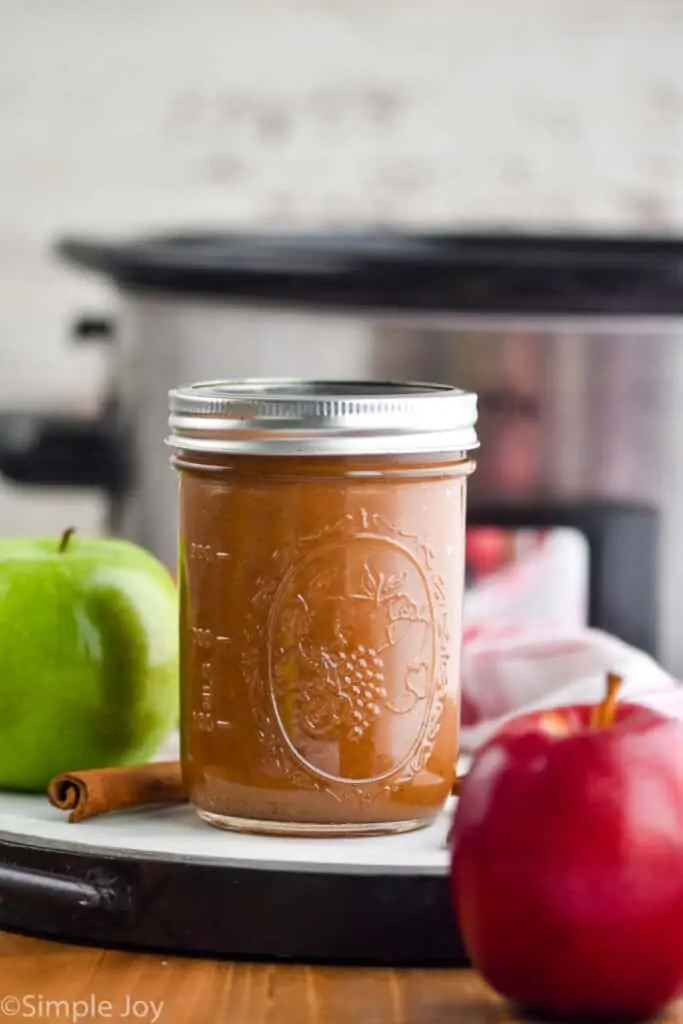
{"type": "Point", "coordinates": [321, 574]}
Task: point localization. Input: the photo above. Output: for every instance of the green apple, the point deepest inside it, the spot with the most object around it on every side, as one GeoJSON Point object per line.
{"type": "Point", "coordinates": [88, 656]}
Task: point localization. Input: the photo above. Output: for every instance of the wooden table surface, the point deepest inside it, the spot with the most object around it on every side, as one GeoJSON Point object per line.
{"type": "Point", "coordinates": [50, 981]}
{"type": "Point", "coordinates": [98, 985]}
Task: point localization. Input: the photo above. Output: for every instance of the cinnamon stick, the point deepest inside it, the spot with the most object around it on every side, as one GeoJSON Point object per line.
{"type": "Point", "coordinates": [102, 790]}
{"type": "Point", "coordinates": [97, 791]}
{"type": "Point", "coordinates": [457, 785]}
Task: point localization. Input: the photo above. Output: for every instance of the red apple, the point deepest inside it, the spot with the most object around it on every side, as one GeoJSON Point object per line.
{"type": "Point", "coordinates": [488, 549]}
{"type": "Point", "coordinates": [567, 861]}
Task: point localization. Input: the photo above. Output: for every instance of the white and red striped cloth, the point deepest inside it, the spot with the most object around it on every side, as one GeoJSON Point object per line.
{"type": "Point", "coordinates": [526, 646]}
{"type": "Point", "coordinates": [508, 670]}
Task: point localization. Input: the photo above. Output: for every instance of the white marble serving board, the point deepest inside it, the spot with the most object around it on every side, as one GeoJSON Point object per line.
{"type": "Point", "coordinates": [176, 833]}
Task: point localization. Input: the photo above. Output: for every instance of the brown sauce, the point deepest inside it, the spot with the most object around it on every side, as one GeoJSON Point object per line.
{"type": "Point", "coordinates": [321, 603]}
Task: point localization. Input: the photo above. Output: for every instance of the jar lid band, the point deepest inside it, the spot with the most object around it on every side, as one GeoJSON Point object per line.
{"type": "Point", "coordinates": [298, 417]}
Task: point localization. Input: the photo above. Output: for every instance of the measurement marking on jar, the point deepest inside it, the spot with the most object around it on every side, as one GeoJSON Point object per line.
{"type": "Point", "coordinates": [203, 638]}
{"type": "Point", "coordinates": [200, 552]}
{"type": "Point", "coordinates": [204, 721]}
{"type": "Point", "coordinates": [223, 639]}
{"type": "Point", "coordinates": [207, 687]}
{"type": "Point", "coordinates": [223, 554]}
{"type": "Point", "coordinates": [222, 724]}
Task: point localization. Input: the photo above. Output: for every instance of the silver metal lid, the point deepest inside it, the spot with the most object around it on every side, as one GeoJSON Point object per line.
{"type": "Point", "coordinates": [298, 417]}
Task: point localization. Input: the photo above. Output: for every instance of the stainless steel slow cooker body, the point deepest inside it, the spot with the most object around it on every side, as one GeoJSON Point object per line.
{"type": "Point", "coordinates": [574, 346]}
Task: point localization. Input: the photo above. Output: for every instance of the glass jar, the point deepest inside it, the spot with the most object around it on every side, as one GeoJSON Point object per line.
{"type": "Point", "coordinates": [321, 573]}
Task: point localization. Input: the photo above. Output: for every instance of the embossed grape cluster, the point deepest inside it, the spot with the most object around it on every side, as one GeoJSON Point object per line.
{"type": "Point", "coordinates": [360, 672]}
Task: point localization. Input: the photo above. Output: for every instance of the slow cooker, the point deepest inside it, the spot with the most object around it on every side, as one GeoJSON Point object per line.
{"type": "Point", "coordinates": [574, 345]}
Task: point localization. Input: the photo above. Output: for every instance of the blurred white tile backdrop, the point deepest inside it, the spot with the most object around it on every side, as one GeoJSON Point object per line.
{"type": "Point", "coordinates": [125, 114]}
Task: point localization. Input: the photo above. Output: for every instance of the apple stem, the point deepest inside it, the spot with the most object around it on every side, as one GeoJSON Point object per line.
{"type": "Point", "coordinates": [603, 713]}
{"type": "Point", "coordinates": [65, 538]}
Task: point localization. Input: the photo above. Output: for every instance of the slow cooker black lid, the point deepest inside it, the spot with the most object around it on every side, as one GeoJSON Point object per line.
{"type": "Point", "coordinates": [480, 273]}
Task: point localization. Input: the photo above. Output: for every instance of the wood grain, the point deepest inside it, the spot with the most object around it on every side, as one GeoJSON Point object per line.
{"type": "Point", "coordinates": [96, 985]}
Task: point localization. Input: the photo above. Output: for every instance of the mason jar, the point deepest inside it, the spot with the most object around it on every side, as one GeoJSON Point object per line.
{"type": "Point", "coordinates": [321, 576]}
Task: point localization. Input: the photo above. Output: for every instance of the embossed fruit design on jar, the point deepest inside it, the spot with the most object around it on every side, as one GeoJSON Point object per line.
{"type": "Point", "coordinates": [321, 579]}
